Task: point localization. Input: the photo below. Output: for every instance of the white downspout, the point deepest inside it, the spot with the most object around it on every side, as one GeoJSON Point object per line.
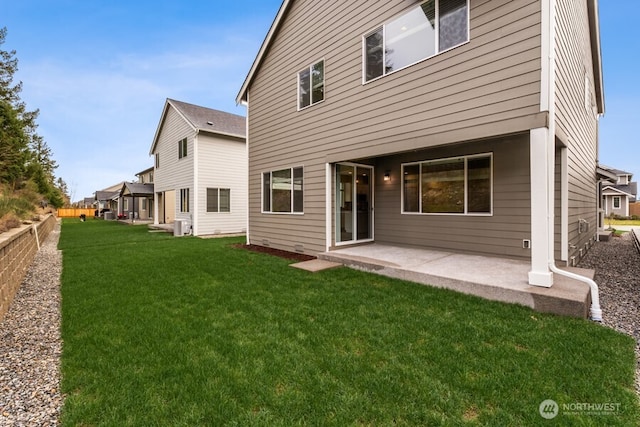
{"type": "Point", "coordinates": [595, 311]}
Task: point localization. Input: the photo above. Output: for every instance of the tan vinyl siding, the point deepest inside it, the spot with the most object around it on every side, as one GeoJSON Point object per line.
{"type": "Point", "coordinates": [222, 163]}
{"type": "Point", "coordinates": [486, 87]}
{"type": "Point", "coordinates": [573, 119]}
{"type": "Point", "coordinates": [174, 173]}
{"type": "Point", "coordinates": [498, 234]}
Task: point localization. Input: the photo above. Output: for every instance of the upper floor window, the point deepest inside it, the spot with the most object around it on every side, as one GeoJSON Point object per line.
{"type": "Point", "coordinates": [459, 185]}
{"type": "Point", "coordinates": [311, 85]}
{"type": "Point", "coordinates": [282, 191]}
{"type": "Point", "coordinates": [182, 148]}
{"type": "Point", "coordinates": [157, 160]}
{"type": "Point", "coordinates": [426, 30]}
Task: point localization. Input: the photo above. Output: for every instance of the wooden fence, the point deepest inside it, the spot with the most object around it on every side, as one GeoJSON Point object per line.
{"type": "Point", "coordinates": [75, 213]}
{"type": "Point", "coordinates": [634, 209]}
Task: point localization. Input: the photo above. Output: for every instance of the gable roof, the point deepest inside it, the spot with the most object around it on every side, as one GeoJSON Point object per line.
{"type": "Point", "coordinates": [203, 119]}
{"type": "Point", "coordinates": [596, 53]}
{"type": "Point", "coordinates": [594, 26]}
{"type": "Point", "coordinates": [242, 95]}
{"type": "Point", "coordinates": [136, 189]}
{"type": "Point", "coordinates": [630, 190]}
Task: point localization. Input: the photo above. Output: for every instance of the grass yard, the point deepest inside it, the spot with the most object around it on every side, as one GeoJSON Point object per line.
{"type": "Point", "coordinates": [184, 331]}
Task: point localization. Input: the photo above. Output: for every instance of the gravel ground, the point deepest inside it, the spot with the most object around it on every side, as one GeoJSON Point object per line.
{"type": "Point", "coordinates": [617, 267]}
{"type": "Point", "coordinates": [30, 344]}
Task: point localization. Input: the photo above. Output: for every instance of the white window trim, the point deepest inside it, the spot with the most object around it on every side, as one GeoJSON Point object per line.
{"type": "Point", "coordinates": [384, 36]}
{"type": "Point", "coordinates": [466, 189]}
{"type": "Point", "coordinates": [262, 210]}
{"type": "Point", "coordinates": [613, 202]}
{"type": "Point", "coordinates": [311, 103]}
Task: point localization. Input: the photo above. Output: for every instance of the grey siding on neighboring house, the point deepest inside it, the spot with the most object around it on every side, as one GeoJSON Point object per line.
{"type": "Point", "coordinates": [499, 234]}
{"type": "Point", "coordinates": [174, 173]}
{"type": "Point", "coordinates": [577, 124]}
{"type": "Point", "coordinates": [489, 86]}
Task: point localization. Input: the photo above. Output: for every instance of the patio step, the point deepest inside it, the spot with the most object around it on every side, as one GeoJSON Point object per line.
{"type": "Point", "coordinates": [497, 279]}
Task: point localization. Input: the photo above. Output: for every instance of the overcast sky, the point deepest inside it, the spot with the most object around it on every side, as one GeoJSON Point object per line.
{"type": "Point", "coordinates": [100, 71]}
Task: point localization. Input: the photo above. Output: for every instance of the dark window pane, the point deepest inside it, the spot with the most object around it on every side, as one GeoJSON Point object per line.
{"type": "Point", "coordinates": [411, 188]}
{"type": "Point", "coordinates": [266, 192]}
{"type": "Point", "coordinates": [479, 185]}
{"type": "Point", "coordinates": [281, 191]}
{"type": "Point", "coordinates": [225, 200]}
{"type": "Point", "coordinates": [317, 82]}
{"type": "Point", "coordinates": [453, 23]}
{"type": "Point", "coordinates": [374, 53]}
{"type": "Point", "coordinates": [443, 186]}
{"type": "Point", "coordinates": [297, 190]}
{"type": "Point", "coordinates": [212, 200]}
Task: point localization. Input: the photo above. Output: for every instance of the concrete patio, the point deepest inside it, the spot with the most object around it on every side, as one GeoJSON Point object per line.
{"type": "Point", "coordinates": [499, 279]}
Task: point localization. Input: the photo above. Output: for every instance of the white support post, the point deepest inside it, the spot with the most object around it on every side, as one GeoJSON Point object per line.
{"type": "Point", "coordinates": [540, 275]}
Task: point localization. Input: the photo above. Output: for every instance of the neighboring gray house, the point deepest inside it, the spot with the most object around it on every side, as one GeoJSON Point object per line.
{"type": "Point", "coordinates": [200, 172]}
{"type": "Point", "coordinates": [619, 193]}
{"type": "Point", "coordinates": [458, 125]}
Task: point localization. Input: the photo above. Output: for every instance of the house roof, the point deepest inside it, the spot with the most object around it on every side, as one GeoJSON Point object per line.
{"type": "Point", "coordinates": [106, 195]}
{"type": "Point", "coordinates": [145, 171]}
{"type": "Point", "coordinates": [594, 25]}
{"type": "Point", "coordinates": [136, 189]}
{"type": "Point", "coordinates": [203, 119]}
{"type": "Point", "coordinates": [630, 190]}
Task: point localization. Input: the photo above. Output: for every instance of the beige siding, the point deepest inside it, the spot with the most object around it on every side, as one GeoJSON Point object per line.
{"type": "Point", "coordinates": [487, 87]}
{"type": "Point", "coordinates": [174, 173]}
{"type": "Point", "coordinates": [222, 163]}
{"type": "Point", "coordinates": [575, 122]}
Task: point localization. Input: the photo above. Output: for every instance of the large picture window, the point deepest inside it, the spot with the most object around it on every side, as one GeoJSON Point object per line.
{"type": "Point", "coordinates": [218, 200]}
{"type": "Point", "coordinates": [426, 30]}
{"type": "Point", "coordinates": [311, 85]}
{"type": "Point", "coordinates": [460, 185]}
{"type": "Point", "coordinates": [282, 191]}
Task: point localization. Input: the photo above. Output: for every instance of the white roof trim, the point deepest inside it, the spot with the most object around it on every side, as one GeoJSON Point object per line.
{"type": "Point", "coordinates": [616, 191]}
{"type": "Point", "coordinates": [242, 95]}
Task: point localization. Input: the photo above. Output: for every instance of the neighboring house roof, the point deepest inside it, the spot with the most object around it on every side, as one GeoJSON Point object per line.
{"type": "Point", "coordinates": [630, 190]}
{"type": "Point", "coordinates": [147, 170]}
{"type": "Point", "coordinates": [106, 195]}
{"type": "Point", "coordinates": [202, 119]}
{"type": "Point", "coordinates": [594, 26]}
{"type": "Point", "coordinates": [136, 189]}
{"type": "Point", "coordinates": [88, 201]}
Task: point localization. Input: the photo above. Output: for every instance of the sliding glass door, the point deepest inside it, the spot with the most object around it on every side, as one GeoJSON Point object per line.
{"type": "Point", "coordinates": [354, 203]}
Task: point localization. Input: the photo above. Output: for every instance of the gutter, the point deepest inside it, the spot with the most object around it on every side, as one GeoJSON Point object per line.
{"type": "Point", "coordinates": [595, 312]}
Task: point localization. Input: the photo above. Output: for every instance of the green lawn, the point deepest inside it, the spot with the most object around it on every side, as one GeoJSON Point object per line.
{"type": "Point", "coordinates": [184, 331]}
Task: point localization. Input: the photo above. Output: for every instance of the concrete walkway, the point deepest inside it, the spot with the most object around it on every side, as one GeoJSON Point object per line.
{"type": "Point", "coordinates": [498, 279]}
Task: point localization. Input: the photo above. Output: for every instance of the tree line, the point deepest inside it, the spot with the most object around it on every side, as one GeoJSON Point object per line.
{"type": "Point", "coordinates": [26, 161]}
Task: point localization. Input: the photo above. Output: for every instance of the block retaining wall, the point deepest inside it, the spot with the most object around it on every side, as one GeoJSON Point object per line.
{"type": "Point", "coordinates": [18, 248]}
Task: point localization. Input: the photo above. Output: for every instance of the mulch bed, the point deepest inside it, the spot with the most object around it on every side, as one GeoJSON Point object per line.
{"type": "Point", "coordinates": [276, 252]}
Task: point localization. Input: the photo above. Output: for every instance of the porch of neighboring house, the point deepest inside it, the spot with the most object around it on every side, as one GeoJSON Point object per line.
{"type": "Point", "coordinates": [493, 278]}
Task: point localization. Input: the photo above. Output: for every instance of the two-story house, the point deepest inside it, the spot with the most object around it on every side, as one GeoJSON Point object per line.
{"type": "Point", "coordinates": [460, 125]}
{"type": "Point", "coordinates": [200, 169]}
{"type": "Point", "coordinates": [619, 194]}
{"type": "Point", "coordinates": [136, 198]}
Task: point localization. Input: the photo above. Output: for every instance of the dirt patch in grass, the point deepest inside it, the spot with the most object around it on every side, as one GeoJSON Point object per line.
{"type": "Point", "coordinates": [276, 252]}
